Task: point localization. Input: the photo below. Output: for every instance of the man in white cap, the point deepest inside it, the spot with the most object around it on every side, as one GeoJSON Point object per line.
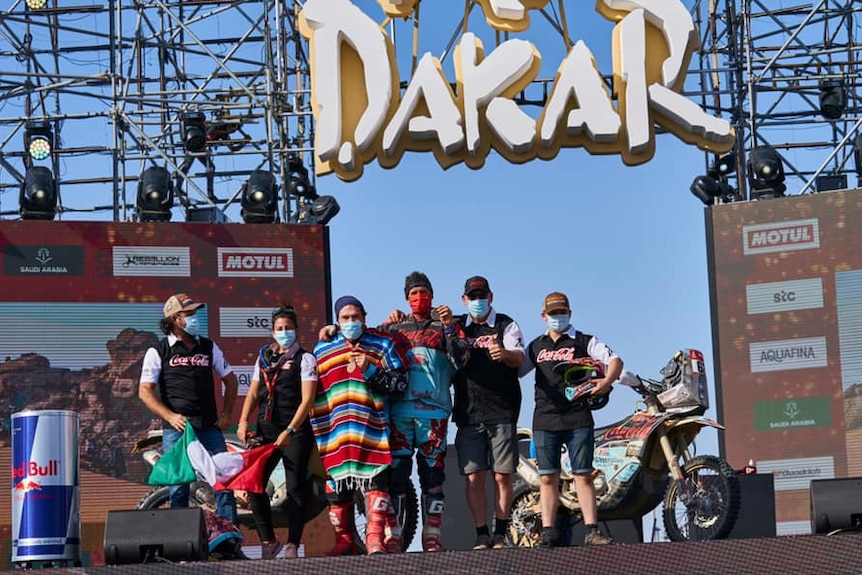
{"type": "Point", "coordinates": [177, 385]}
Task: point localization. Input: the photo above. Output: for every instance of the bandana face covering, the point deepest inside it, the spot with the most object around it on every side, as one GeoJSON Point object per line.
{"type": "Point", "coordinates": [420, 303]}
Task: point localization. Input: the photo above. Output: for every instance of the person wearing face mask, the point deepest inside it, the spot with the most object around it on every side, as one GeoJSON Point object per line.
{"type": "Point", "coordinates": [357, 368]}
{"type": "Point", "coordinates": [177, 385]}
{"type": "Point", "coordinates": [282, 402]}
{"type": "Point", "coordinates": [487, 405]}
{"type": "Point", "coordinates": [557, 421]}
{"type": "Point", "coordinates": [419, 419]}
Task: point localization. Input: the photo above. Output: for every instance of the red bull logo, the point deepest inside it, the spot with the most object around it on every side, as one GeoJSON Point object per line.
{"type": "Point", "coordinates": [27, 485]}
{"type": "Point", "coordinates": [33, 469]}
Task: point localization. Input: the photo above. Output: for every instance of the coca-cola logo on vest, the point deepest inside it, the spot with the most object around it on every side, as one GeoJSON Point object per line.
{"type": "Point", "coordinates": [196, 360]}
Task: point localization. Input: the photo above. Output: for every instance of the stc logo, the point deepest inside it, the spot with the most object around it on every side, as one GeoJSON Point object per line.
{"type": "Point", "coordinates": [255, 262]}
{"type": "Point", "coordinates": [781, 237]}
{"type": "Point", "coordinates": [245, 322]}
{"type": "Point", "coordinates": [784, 296]}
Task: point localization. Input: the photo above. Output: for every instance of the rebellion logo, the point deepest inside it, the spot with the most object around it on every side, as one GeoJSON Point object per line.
{"type": "Point", "coordinates": [781, 237]}
{"type": "Point", "coordinates": [255, 262]}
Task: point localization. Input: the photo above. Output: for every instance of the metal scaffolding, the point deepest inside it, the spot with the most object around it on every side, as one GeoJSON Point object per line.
{"type": "Point", "coordinates": [764, 64]}
{"type": "Point", "coordinates": [117, 81]}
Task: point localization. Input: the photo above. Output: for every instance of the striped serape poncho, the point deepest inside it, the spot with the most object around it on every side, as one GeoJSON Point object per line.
{"type": "Point", "coordinates": [350, 422]}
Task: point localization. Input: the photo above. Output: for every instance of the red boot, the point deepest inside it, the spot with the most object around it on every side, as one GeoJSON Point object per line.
{"type": "Point", "coordinates": [394, 540]}
{"type": "Point", "coordinates": [433, 505]}
{"type": "Point", "coordinates": [376, 510]}
{"type": "Point", "coordinates": [341, 517]}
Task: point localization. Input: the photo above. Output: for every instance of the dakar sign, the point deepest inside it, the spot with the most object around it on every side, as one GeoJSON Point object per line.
{"type": "Point", "coordinates": [361, 113]}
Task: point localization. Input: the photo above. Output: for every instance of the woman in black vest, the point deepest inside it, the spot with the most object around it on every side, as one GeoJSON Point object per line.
{"type": "Point", "coordinates": [282, 390]}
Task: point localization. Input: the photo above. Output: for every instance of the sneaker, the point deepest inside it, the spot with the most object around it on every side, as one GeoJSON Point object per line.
{"type": "Point", "coordinates": [270, 550]}
{"type": "Point", "coordinates": [498, 541]}
{"type": "Point", "coordinates": [550, 538]}
{"type": "Point", "coordinates": [482, 542]}
{"type": "Point", "coordinates": [290, 551]}
{"type": "Point", "coordinates": [596, 537]}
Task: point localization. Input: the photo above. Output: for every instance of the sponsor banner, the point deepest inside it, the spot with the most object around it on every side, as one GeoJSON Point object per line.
{"type": "Point", "coordinates": [793, 528]}
{"type": "Point", "coordinates": [243, 377]}
{"type": "Point", "coordinates": [246, 322]}
{"type": "Point", "coordinates": [255, 262]}
{"type": "Point", "coordinates": [787, 354]}
{"type": "Point", "coordinates": [784, 296]}
{"type": "Point", "coordinates": [798, 413]}
{"type": "Point", "coordinates": [152, 261]}
{"type": "Point", "coordinates": [792, 474]}
{"type": "Point", "coordinates": [781, 237]}
{"type": "Point", "coordinates": [43, 260]}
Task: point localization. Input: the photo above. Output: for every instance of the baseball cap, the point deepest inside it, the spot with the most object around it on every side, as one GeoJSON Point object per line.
{"type": "Point", "coordinates": [476, 283]}
{"type": "Point", "coordinates": [555, 301]}
{"type": "Point", "coordinates": [180, 302]}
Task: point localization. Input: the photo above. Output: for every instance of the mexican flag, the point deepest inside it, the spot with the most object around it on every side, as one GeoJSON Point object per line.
{"type": "Point", "coordinates": [189, 461]}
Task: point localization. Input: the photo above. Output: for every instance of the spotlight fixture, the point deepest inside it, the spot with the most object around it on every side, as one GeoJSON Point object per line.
{"type": "Point", "coordinates": [833, 98]}
{"type": "Point", "coordinates": [36, 4]}
{"type": "Point", "coordinates": [297, 179]}
{"type": "Point", "coordinates": [193, 131]}
{"type": "Point", "coordinates": [38, 197]}
{"type": "Point", "coordinates": [324, 208]}
{"type": "Point", "coordinates": [155, 195]}
{"type": "Point", "coordinates": [39, 141]}
{"type": "Point", "coordinates": [259, 198]}
{"type": "Point", "coordinates": [765, 173]}
{"type": "Point", "coordinates": [725, 165]}
{"type": "Point", "coordinates": [709, 190]}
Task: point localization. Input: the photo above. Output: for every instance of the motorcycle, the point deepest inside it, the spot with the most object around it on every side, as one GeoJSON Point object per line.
{"type": "Point", "coordinates": [202, 495]}
{"type": "Point", "coordinates": [640, 461]}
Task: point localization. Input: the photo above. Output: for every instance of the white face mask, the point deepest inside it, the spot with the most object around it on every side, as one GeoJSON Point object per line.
{"type": "Point", "coordinates": [558, 322]}
{"type": "Point", "coordinates": [192, 325]}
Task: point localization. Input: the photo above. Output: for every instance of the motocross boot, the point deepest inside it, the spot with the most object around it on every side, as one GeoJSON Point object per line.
{"type": "Point", "coordinates": [433, 506]}
{"type": "Point", "coordinates": [394, 540]}
{"type": "Point", "coordinates": [341, 517]}
{"type": "Point", "coordinates": [376, 510]}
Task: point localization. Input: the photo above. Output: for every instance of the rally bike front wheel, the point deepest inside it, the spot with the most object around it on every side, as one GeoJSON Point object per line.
{"type": "Point", "coordinates": [705, 506]}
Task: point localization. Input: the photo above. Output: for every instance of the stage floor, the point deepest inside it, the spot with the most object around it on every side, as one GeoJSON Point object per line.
{"type": "Point", "coordinates": [814, 554]}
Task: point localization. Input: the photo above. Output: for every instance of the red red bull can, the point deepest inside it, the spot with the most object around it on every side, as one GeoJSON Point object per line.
{"type": "Point", "coordinates": [46, 519]}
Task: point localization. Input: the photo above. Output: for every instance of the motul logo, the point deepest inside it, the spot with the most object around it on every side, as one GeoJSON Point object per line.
{"type": "Point", "coordinates": [255, 262]}
{"type": "Point", "coordinates": [781, 236]}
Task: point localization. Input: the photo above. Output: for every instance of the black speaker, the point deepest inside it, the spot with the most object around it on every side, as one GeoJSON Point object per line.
{"type": "Point", "coordinates": [836, 504]}
{"type": "Point", "coordinates": [155, 535]}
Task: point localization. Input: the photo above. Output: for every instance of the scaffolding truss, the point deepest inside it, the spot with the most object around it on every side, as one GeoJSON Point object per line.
{"type": "Point", "coordinates": [115, 80]}
{"type": "Point", "coordinates": [764, 65]}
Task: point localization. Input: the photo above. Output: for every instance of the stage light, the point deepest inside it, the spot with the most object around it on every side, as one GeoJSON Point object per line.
{"type": "Point", "coordinates": [193, 127]}
{"type": "Point", "coordinates": [38, 197]}
{"type": "Point", "coordinates": [297, 179]}
{"type": "Point", "coordinates": [36, 4]}
{"type": "Point", "coordinates": [39, 141]}
{"type": "Point", "coordinates": [765, 173]}
{"type": "Point", "coordinates": [260, 198]}
{"type": "Point", "coordinates": [709, 191]}
{"type": "Point", "coordinates": [830, 182]}
{"type": "Point", "coordinates": [324, 208]}
{"type": "Point", "coordinates": [155, 195]}
{"type": "Point", "coordinates": [725, 165]}
{"type": "Point", "coordinates": [833, 98]}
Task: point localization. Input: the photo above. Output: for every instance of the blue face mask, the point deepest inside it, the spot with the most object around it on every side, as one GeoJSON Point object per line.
{"type": "Point", "coordinates": [558, 322]}
{"type": "Point", "coordinates": [285, 338]}
{"type": "Point", "coordinates": [478, 307]}
{"type": "Point", "coordinates": [192, 325]}
{"type": "Point", "coordinates": [352, 330]}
